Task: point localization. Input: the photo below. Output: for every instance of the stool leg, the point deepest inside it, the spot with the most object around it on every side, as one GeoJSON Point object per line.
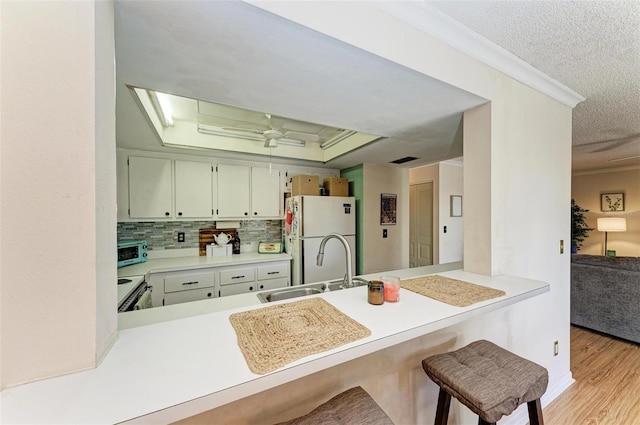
{"type": "Point", "coordinates": [535, 412]}
{"type": "Point", "coordinates": [442, 414]}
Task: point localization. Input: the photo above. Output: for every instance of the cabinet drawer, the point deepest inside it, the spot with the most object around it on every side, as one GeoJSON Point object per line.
{"type": "Point", "coordinates": [188, 296]}
{"type": "Point", "coordinates": [229, 277]}
{"type": "Point", "coordinates": [238, 288]}
{"type": "Point", "coordinates": [185, 282]}
{"type": "Point", "coordinates": [264, 285]}
{"type": "Point", "coordinates": [273, 271]}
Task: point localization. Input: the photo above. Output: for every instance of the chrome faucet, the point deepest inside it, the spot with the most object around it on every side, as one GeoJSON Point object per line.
{"type": "Point", "coordinates": [347, 249]}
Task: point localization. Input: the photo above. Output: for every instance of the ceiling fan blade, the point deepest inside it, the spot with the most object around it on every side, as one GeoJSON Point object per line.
{"type": "Point", "coordinates": [245, 130]}
{"type": "Point", "coordinates": [307, 137]}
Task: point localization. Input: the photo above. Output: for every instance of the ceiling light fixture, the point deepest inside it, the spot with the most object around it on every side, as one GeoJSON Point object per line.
{"type": "Point", "coordinates": [339, 138]}
{"type": "Point", "coordinates": [162, 106]}
{"type": "Point", "coordinates": [272, 142]}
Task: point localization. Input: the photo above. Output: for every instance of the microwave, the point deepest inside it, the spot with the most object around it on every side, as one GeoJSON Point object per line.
{"type": "Point", "coordinates": [132, 252]}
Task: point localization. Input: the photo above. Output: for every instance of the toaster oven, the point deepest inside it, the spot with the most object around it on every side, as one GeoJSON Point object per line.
{"type": "Point", "coordinates": [131, 252]}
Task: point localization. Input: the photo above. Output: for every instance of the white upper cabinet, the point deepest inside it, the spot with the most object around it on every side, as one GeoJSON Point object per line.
{"type": "Point", "coordinates": [233, 191]}
{"type": "Point", "coordinates": [150, 188]}
{"type": "Point", "coordinates": [265, 192]}
{"type": "Point", "coordinates": [194, 194]}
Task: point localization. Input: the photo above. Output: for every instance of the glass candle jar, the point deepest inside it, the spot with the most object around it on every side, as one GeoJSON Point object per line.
{"type": "Point", "coordinates": [376, 292]}
{"type": "Point", "coordinates": [391, 288]}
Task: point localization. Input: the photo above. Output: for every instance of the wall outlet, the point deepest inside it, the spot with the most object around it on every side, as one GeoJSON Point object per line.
{"type": "Point", "coordinates": [555, 348]}
{"type": "Point", "coordinates": [180, 236]}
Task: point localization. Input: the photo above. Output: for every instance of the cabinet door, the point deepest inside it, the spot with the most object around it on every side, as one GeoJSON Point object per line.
{"type": "Point", "coordinates": [233, 191]}
{"type": "Point", "coordinates": [193, 190]}
{"type": "Point", "coordinates": [238, 288]}
{"type": "Point", "coordinates": [188, 296]}
{"type": "Point", "coordinates": [265, 192]}
{"type": "Point", "coordinates": [150, 188]}
{"type": "Point", "coordinates": [264, 285]}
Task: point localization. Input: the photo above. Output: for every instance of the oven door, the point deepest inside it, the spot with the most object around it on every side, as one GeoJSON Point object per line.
{"type": "Point", "coordinates": [129, 303]}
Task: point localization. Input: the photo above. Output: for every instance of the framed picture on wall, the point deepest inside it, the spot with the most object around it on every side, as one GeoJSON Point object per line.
{"type": "Point", "coordinates": [612, 201]}
{"type": "Point", "coordinates": [388, 208]}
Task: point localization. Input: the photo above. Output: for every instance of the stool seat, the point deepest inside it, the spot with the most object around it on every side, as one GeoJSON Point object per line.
{"type": "Point", "coordinates": [489, 380]}
{"type": "Point", "coordinates": [352, 407]}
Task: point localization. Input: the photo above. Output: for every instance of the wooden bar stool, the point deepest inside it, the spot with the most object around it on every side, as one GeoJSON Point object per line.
{"type": "Point", "coordinates": [489, 380]}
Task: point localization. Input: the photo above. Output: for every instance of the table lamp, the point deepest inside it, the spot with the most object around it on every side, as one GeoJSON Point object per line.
{"type": "Point", "coordinates": [611, 224]}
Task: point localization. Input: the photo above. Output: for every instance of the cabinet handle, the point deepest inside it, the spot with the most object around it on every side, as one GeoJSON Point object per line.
{"type": "Point", "coordinates": [237, 277]}
{"type": "Point", "coordinates": [251, 288]}
{"type": "Point", "coordinates": [167, 214]}
{"type": "Point", "coordinates": [246, 213]}
{"type": "Point", "coordinates": [273, 273]}
{"type": "Point", "coordinates": [261, 286]}
{"type": "Point", "coordinates": [180, 213]}
{"type": "Point", "coordinates": [209, 295]}
{"type": "Point", "coordinates": [190, 283]}
{"type": "Point", "coordinates": [255, 213]}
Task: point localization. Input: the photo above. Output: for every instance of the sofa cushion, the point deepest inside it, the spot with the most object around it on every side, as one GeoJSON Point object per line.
{"type": "Point", "coordinates": [620, 263]}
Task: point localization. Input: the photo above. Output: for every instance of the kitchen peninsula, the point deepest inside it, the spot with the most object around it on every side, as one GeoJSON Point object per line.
{"type": "Point", "coordinates": [163, 372]}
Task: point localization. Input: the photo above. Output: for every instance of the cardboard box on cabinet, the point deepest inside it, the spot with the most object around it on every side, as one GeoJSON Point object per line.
{"type": "Point", "coordinates": [336, 186]}
{"type": "Point", "coordinates": [304, 184]}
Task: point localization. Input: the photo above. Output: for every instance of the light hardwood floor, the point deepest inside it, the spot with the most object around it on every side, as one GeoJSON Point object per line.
{"type": "Point", "coordinates": [607, 387]}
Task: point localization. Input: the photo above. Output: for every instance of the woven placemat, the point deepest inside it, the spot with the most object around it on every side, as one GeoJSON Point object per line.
{"type": "Point", "coordinates": [451, 291]}
{"type": "Point", "coordinates": [272, 337]}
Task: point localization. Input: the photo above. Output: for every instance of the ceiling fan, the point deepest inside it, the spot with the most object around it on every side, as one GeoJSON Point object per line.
{"type": "Point", "coordinates": [275, 134]}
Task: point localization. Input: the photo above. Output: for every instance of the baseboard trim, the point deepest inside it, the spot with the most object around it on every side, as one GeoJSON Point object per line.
{"type": "Point", "coordinates": [521, 415]}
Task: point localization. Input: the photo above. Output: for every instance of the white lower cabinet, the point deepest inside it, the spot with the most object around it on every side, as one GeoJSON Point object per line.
{"type": "Point", "coordinates": [188, 296]}
{"type": "Point", "coordinates": [237, 281]}
{"type": "Point", "coordinates": [193, 285]}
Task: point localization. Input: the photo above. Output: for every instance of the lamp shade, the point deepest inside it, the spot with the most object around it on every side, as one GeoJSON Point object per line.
{"type": "Point", "coordinates": [612, 224]}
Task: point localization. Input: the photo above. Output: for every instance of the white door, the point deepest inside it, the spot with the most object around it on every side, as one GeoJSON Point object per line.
{"type": "Point", "coordinates": [150, 188]}
{"type": "Point", "coordinates": [322, 215]}
{"type": "Point", "coordinates": [421, 225]}
{"type": "Point", "coordinates": [265, 192]}
{"type": "Point", "coordinates": [193, 189]}
{"type": "Point", "coordinates": [233, 191]}
{"type": "Point", "coordinates": [334, 265]}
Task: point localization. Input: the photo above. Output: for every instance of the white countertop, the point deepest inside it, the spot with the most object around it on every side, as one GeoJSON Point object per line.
{"type": "Point", "coordinates": [196, 262]}
{"type": "Point", "coordinates": [202, 366]}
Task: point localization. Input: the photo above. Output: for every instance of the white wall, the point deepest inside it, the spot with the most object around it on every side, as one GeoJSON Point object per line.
{"type": "Point", "coordinates": [451, 242]}
{"type": "Point", "coordinates": [48, 190]}
{"type": "Point", "coordinates": [586, 189]}
{"type": "Point", "coordinates": [105, 176]}
{"type": "Point", "coordinates": [391, 253]}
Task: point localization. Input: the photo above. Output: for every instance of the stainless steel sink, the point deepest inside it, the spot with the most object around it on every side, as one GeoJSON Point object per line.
{"type": "Point", "coordinates": [304, 290]}
{"type": "Point", "coordinates": [291, 292]}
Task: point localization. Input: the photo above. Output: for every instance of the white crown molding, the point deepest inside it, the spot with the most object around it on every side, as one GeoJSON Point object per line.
{"type": "Point", "coordinates": [437, 24]}
{"type": "Point", "coordinates": [606, 170]}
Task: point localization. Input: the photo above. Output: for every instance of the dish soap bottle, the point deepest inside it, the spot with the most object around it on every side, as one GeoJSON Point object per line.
{"type": "Point", "coordinates": [236, 244]}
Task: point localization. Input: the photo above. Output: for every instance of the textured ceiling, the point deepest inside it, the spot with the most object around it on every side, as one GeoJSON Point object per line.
{"type": "Point", "coordinates": [593, 47]}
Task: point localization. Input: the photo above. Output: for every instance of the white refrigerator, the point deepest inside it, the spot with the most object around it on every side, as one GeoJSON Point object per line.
{"type": "Point", "coordinates": [308, 220]}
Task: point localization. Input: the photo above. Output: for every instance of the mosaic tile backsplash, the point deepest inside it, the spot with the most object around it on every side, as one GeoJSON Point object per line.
{"type": "Point", "coordinates": [164, 234]}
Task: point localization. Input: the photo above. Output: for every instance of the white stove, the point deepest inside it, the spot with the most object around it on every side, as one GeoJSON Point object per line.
{"type": "Point", "coordinates": [128, 287]}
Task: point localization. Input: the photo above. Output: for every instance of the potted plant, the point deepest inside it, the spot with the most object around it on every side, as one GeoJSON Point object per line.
{"type": "Point", "coordinates": [579, 228]}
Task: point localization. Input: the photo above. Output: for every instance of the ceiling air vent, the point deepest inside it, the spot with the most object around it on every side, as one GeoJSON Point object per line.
{"type": "Point", "coordinates": [403, 160]}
